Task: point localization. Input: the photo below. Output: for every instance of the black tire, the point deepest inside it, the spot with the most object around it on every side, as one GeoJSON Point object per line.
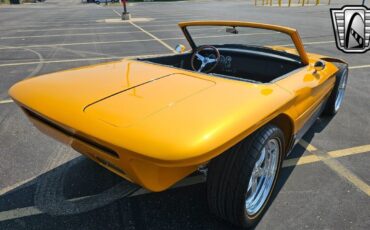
{"type": "Point", "coordinates": [229, 174]}
{"type": "Point", "coordinates": [330, 108]}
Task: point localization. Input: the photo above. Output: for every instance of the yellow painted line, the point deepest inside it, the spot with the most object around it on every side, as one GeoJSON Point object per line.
{"type": "Point", "coordinates": [349, 151]}
{"type": "Point", "coordinates": [327, 158]}
{"type": "Point", "coordinates": [330, 160]}
{"type": "Point", "coordinates": [307, 146]}
{"type": "Point", "coordinates": [6, 101]}
{"type": "Point", "coordinates": [345, 173]}
{"type": "Point", "coordinates": [332, 154]}
{"type": "Point", "coordinates": [300, 161]}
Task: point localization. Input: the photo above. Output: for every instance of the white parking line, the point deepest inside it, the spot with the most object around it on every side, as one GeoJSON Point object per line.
{"type": "Point", "coordinates": [319, 42]}
{"type": "Point", "coordinates": [118, 26]}
{"type": "Point", "coordinates": [359, 67]}
{"type": "Point", "coordinates": [19, 213]}
{"type": "Point", "coordinates": [89, 22]}
{"type": "Point", "coordinates": [17, 185]}
{"type": "Point", "coordinates": [77, 44]}
{"type": "Point", "coordinates": [7, 101]}
{"type": "Point", "coordinates": [149, 34]}
{"type": "Point", "coordinates": [103, 33]}
{"type": "Point", "coordinates": [310, 43]}
{"type": "Point", "coordinates": [66, 34]}
{"type": "Point", "coordinates": [35, 28]}
{"type": "Point", "coordinates": [154, 38]}
{"type": "Point", "coordinates": [32, 210]}
{"type": "Point", "coordinates": [82, 59]}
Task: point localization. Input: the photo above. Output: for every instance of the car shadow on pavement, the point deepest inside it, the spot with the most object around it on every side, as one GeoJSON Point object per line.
{"type": "Point", "coordinates": [83, 195]}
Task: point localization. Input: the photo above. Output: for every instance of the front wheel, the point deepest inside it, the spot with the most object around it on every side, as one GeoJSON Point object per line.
{"type": "Point", "coordinates": [241, 180]}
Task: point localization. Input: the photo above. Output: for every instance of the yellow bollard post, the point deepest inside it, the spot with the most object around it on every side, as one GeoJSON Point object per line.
{"type": "Point", "coordinates": [317, 2]}
{"type": "Point", "coordinates": [303, 2]}
{"type": "Point", "coordinates": [270, 2]}
{"type": "Point", "coordinates": [279, 3]}
{"type": "Point", "coordinates": [290, 1]}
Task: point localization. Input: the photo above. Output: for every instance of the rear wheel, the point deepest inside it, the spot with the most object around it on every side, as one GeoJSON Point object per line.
{"type": "Point", "coordinates": [240, 181]}
{"type": "Point", "coordinates": [336, 97]}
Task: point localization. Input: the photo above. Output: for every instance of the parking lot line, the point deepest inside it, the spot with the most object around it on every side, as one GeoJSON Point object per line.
{"type": "Point", "coordinates": [349, 151]}
{"type": "Point", "coordinates": [329, 159]}
{"type": "Point", "coordinates": [318, 42]}
{"type": "Point", "coordinates": [19, 213]}
{"type": "Point", "coordinates": [118, 26]}
{"type": "Point", "coordinates": [82, 59]}
{"type": "Point", "coordinates": [343, 172]}
{"type": "Point", "coordinates": [32, 210]}
{"type": "Point", "coordinates": [66, 34]}
{"type": "Point", "coordinates": [326, 158]}
{"type": "Point", "coordinates": [332, 154]}
{"type": "Point", "coordinates": [156, 23]}
{"type": "Point", "coordinates": [359, 67]}
{"type": "Point", "coordinates": [6, 101]}
{"type": "Point", "coordinates": [300, 161]}
{"type": "Point", "coordinates": [102, 33]}
{"type": "Point", "coordinates": [307, 146]}
{"type": "Point", "coordinates": [28, 181]}
{"type": "Point", "coordinates": [155, 20]}
{"type": "Point", "coordinates": [153, 38]}
{"type": "Point", "coordinates": [149, 34]}
{"type": "Point", "coordinates": [77, 44]}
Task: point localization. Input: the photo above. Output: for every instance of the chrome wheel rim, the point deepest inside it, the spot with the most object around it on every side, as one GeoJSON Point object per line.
{"type": "Point", "coordinates": [341, 91]}
{"type": "Point", "coordinates": [263, 176]}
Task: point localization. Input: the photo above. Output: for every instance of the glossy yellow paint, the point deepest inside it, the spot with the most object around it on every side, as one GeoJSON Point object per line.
{"type": "Point", "coordinates": [162, 122]}
{"type": "Point", "coordinates": [282, 29]}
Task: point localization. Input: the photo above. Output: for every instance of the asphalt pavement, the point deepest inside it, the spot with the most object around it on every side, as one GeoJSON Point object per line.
{"type": "Point", "coordinates": [325, 183]}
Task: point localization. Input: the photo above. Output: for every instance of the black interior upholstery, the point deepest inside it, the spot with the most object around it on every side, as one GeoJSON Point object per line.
{"type": "Point", "coordinates": [241, 63]}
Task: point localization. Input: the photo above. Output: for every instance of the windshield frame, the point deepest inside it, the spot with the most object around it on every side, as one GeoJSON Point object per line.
{"type": "Point", "coordinates": [292, 33]}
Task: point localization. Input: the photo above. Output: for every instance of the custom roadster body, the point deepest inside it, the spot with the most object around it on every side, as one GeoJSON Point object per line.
{"type": "Point", "coordinates": [235, 109]}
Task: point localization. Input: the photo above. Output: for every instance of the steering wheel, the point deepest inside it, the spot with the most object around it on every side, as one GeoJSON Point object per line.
{"type": "Point", "coordinates": [205, 60]}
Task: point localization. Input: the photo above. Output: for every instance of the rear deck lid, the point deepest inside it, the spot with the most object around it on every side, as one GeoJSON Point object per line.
{"type": "Point", "coordinates": [132, 105]}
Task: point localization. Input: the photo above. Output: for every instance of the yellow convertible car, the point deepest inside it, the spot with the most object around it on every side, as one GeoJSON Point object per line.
{"type": "Point", "coordinates": [233, 106]}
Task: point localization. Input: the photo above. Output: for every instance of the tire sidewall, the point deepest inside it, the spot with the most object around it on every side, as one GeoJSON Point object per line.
{"type": "Point", "coordinates": [252, 220]}
{"type": "Point", "coordinates": [330, 109]}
